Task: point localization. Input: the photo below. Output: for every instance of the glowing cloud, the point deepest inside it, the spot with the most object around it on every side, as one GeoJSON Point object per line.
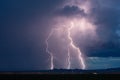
{"type": "Point", "coordinates": [66, 29]}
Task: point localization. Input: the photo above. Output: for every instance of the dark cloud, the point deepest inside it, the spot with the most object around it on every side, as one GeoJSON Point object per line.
{"type": "Point", "coordinates": [108, 3]}
{"type": "Point", "coordinates": [106, 16]}
{"type": "Point", "coordinates": [108, 49]}
{"type": "Point", "coordinates": [107, 21]}
{"type": "Point", "coordinates": [70, 11]}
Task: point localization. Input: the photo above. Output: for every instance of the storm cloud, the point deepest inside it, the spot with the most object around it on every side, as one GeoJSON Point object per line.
{"type": "Point", "coordinates": [24, 26]}
{"type": "Point", "coordinates": [70, 11]}
{"type": "Point", "coordinates": [106, 16]}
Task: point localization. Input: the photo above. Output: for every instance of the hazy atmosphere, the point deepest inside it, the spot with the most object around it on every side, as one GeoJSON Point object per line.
{"type": "Point", "coordinates": [62, 34]}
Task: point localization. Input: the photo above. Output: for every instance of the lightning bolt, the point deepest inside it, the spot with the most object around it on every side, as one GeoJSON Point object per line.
{"type": "Point", "coordinates": [75, 47]}
{"type": "Point", "coordinates": [47, 50]}
{"type": "Point", "coordinates": [51, 54]}
{"type": "Point", "coordinates": [70, 44]}
{"type": "Point", "coordinates": [69, 63]}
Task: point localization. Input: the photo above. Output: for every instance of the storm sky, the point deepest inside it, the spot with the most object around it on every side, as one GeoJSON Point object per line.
{"type": "Point", "coordinates": [25, 24]}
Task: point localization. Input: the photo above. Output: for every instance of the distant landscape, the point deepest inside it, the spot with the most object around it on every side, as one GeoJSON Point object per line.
{"type": "Point", "coordinates": [66, 71]}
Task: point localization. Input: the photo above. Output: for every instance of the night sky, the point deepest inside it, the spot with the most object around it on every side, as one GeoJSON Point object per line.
{"type": "Point", "coordinates": [25, 25]}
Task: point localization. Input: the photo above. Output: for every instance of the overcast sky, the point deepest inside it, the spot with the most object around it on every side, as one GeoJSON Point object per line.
{"type": "Point", "coordinates": [25, 24]}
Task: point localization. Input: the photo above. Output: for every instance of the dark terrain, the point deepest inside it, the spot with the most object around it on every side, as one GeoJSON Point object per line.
{"type": "Point", "coordinates": [65, 71]}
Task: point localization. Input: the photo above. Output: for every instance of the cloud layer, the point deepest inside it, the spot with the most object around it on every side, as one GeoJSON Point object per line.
{"type": "Point", "coordinates": [25, 24]}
